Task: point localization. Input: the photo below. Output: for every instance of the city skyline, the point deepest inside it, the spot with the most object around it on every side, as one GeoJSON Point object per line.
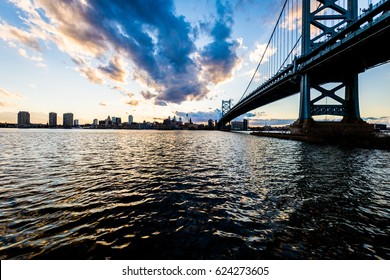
{"type": "Point", "coordinates": [128, 68]}
{"type": "Point", "coordinates": [68, 119]}
{"type": "Point", "coordinates": [53, 119]}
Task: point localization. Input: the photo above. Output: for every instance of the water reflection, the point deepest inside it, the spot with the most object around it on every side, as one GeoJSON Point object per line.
{"type": "Point", "coordinates": [84, 194]}
{"type": "Point", "coordinates": [335, 189]}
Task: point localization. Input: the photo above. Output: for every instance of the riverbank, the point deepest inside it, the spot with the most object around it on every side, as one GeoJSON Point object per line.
{"type": "Point", "coordinates": [374, 141]}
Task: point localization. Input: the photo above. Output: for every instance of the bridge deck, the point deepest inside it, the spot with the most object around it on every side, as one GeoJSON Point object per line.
{"type": "Point", "coordinates": [362, 45]}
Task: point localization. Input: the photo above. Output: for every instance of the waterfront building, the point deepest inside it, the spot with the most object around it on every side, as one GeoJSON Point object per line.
{"type": "Point", "coordinates": [236, 125]}
{"type": "Point", "coordinates": [76, 122]}
{"type": "Point", "coordinates": [116, 121]}
{"type": "Point", "coordinates": [211, 123]}
{"type": "Point", "coordinates": [23, 119]}
{"type": "Point", "coordinates": [130, 120]}
{"type": "Point", "coordinates": [245, 124]}
{"type": "Point", "coordinates": [95, 122]}
{"type": "Point", "coordinates": [52, 119]}
{"type": "Point", "coordinates": [108, 121]}
{"type": "Point", "coordinates": [67, 120]}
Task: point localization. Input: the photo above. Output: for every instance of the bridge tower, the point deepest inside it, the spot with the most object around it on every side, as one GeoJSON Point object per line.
{"type": "Point", "coordinates": [327, 17]}
{"type": "Point", "coordinates": [226, 106]}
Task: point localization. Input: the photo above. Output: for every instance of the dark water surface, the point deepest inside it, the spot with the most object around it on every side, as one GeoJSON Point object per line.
{"type": "Point", "coordinates": [112, 194]}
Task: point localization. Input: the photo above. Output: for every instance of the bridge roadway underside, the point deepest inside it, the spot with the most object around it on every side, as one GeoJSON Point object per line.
{"type": "Point", "coordinates": [354, 54]}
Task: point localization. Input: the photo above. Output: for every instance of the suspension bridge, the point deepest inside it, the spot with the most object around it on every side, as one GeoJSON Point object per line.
{"type": "Point", "coordinates": [316, 43]}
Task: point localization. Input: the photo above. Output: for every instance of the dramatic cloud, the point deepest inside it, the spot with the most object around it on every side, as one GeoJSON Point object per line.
{"type": "Point", "coordinates": [9, 94]}
{"type": "Point", "coordinates": [11, 34]}
{"type": "Point", "coordinates": [5, 94]}
{"type": "Point", "coordinates": [115, 70]}
{"type": "Point", "coordinates": [250, 115]}
{"type": "Point", "coordinates": [147, 94]}
{"type": "Point", "coordinates": [200, 116]}
{"type": "Point", "coordinates": [123, 91]}
{"type": "Point", "coordinates": [258, 53]}
{"type": "Point", "coordinates": [380, 120]}
{"type": "Point", "coordinates": [160, 103]}
{"type": "Point", "coordinates": [271, 122]}
{"type": "Point", "coordinates": [132, 102]}
{"type": "Point", "coordinates": [5, 104]}
{"type": "Point", "coordinates": [38, 59]}
{"type": "Point", "coordinates": [110, 40]}
{"type": "Point", "coordinates": [91, 74]}
{"type": "Point", "coordinates": [219, 57]}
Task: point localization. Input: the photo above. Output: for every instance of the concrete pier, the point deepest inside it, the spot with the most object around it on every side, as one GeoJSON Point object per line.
{"type": "Point", "coordinates": [329, 131]}
{"type": "Point", "coordinates": [359, 134]}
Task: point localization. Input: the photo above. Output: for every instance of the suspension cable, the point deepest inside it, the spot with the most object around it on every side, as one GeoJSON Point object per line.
{"type": "Point", "coordinates": [262, 57]}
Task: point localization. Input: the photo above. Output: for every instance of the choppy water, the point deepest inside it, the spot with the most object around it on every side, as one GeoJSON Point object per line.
{"type": "Point", "coordinates": [106, 194]}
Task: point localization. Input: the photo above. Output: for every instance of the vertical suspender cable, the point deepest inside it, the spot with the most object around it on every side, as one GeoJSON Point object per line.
{"type": "Point", "coordinates": [262, 57]}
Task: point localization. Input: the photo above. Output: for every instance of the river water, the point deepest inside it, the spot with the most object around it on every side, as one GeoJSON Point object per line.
{"type": "Point", "coordinates": [139, 194]}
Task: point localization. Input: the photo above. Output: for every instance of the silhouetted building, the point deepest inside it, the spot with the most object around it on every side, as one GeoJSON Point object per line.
{"type": "Point", "coordinates": [108, 121]}
{"type": "Point", "coordinates": [380, 126]}
{"type": "Point", "coordinates": [130, 120]}
{"type": "Point", "coordinates": [67, 120]}
{"type": "Point", "coordinates": [52, 119]}
{"type": "Point", "coordinates": [237, 125]}
{"type": "Point", "coordinates": [95, 122]}
{"type": "Point", "coordinates": [245, 124]}
{"type": "Point", "coordinates": [116, 121]}
{"type": "Point", "coordinates": [211, 123]}
{"type": "Point", "coordinates": [23, 119]}
{"type": "Point", "coordinates": [76, 122]}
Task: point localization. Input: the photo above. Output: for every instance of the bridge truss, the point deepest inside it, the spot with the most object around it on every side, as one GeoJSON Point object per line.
{"type": "Point", "coordinates": [318, 47]}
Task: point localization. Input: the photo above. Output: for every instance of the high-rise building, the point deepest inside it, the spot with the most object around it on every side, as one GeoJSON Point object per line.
{"type": "Point", "coordinates": [236, 125]}
{"type": "Point", "coordinates": [52, 119]}
{"type": "Point", "coordinates": [95, 122]}
{"type": "Point", "coordinates": [245, 124]}
{"type": "Point", "coordinates": [76, 122]}
{"type": "Point", "coordinates": [108, 121]}
{"type": "Point", "coordinates": [67, 120]}
{"type": "Point", "coordinates": [23, 118]}
{"type": "Point", "coordinates": [131, 120]}
{"type": "Point", "coordinates": [116, 120]}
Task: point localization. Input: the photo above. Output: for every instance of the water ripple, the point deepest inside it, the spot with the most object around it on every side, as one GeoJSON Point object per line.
{"type": "Point", "coordinates": [85, 194]}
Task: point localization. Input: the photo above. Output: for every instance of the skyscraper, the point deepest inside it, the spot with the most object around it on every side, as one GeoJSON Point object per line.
{"type": "Point", "coordinates": [131, 120]}
{"type": "Point", "coordinates": [52, 119]}
{"type": "Point", "coordinates": [245, 124]}
{"type": "Point", "coordinates": [23, 119]}
{"type": "Point", "coordinates": [116, 120]}
{"type": "Point", "coordinates": [67, 120]}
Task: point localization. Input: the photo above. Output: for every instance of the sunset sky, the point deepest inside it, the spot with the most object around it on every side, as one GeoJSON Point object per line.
{"type": "Point", "coordinates": [149, 59]}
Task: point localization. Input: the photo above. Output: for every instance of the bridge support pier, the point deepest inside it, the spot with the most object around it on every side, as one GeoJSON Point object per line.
{"type": "Point", "coordinates": [351, 128]}
{"type": "Point", "coordinates": [352, 112]}
{"type": "Point", "coordinates": [348, 107]}
{"type": "Point", "coordinates": [305, 108]}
